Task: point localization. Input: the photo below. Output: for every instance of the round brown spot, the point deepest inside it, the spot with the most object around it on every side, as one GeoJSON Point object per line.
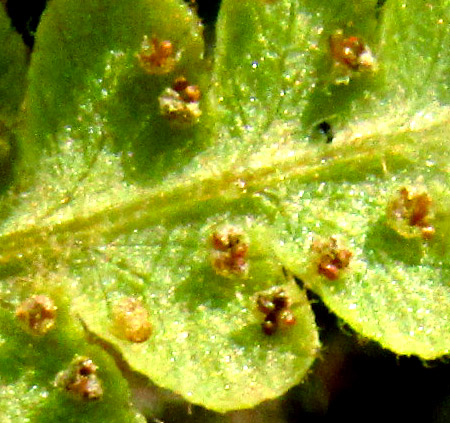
{"type": "Point", "coordinates": [410, 214]}
{"type": "Point", "coordinates": [37, 314]}
{"type": "Point", "coordinates": [331, 258]}
{"type": "Point", "coordinates": [229, 252]}
{"type": "Point", "coordinates": [80, 379]}
{"type": "Point", "coordinates": [156, 57]}
{"type": "Point", "coordinates": [275, 306]}
{"type": "Point", "coordinates": [131, 320]}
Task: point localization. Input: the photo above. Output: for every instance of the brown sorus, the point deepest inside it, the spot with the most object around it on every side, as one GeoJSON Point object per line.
{"type": "Point", "coordinates": [229, 252]}
{"type": "Point", "coordinates": [332, 258]}
{"type": "Point", "coordinates": [81, 379]}
{"type": "Point", "coordinates": [131, 320]}
{"type": "Point", "coordinates": [189, 93]}
{"type": "Point", "coordinates": [409, 210]}
{"type": "Point", "coordinates": [157, 57]}
{"type": "Point", "coordinates": [38, 314]}
{"type": "Point", "coordinates": [351, 52]}
{"type": "Point", "coordinates": [276, 307]}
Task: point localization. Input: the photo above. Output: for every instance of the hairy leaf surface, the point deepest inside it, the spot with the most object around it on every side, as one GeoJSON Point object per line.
{"type": "Point", "coordinates": [301, 155]}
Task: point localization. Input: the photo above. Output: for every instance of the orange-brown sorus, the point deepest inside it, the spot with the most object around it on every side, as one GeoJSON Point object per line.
{"type": "Point", "coordinates": [180, 108]}
{"type": "Point", "coordinates": [81, 379]}
{"type": "Point", "coordinates": [131, 320]}
{"type": "Point", "coordinates": [276, 308]}
{"type": "Point", "coordinates": [414, 210]}
{"type": "Point", "coordinates": [157, 57]}
{"type": "Point", "coordinates": [351, 52]}
{"type": "Point", "coordinates": [331, 258]}
{"type": "Point", "coordinates": [229, 252]}
{"type": "Point", "coordinates": [37, 314]}
{"type": "Point", "coordinates": [189, 93]}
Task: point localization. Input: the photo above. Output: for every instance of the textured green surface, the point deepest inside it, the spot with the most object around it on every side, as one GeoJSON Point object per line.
{"type": "Point", "coordinates": [392, 134]}
{"type": "Point", "coordinates": [29, 365]}
{"type": "Point", "coordinates": [115, 201]}
{"type": "Point", "coordinates": [148, 243]}
{"type": "Point", "coordinates": [13, 66]}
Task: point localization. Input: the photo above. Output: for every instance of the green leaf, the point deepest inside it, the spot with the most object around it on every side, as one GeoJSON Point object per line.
{"type": "Point", "coordinates": [86, 68]}
{"type": "Point", "coordinates": [29, 365]}
{"type": "Point", "coordinates": [173, 231]}
{"type": "Point", "coordinates": [414, 50]}
{"type": "Point", "coordinates": [390, 133]}
{"type": "Point", "coordinates": [148, 249]}
{"type": "Point", "coordinates": [13, 67]}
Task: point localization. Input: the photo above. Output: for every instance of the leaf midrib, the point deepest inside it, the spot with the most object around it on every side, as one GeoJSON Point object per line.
{"type": "Point", "coordinates": [179, 199]}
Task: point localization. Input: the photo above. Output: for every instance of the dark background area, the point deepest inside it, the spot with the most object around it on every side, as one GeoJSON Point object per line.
{"type": "Point", "coordinates": [25, 14]}
{"type": "Point", "coordinates": [354, 378]}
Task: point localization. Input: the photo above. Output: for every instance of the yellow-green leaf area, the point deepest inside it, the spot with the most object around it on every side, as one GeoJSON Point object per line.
{"type": "Point", "coordinates": [99, 67]}
{"type": "Point", "coordinates": [207, 342]}
{"type": "Point", "coordinates": [127, 207]}
{"type": "Point", "coordinates": [29, 365]}
{"type": "Point", "coordinates": [382, 140]}
{"type": "Point", "coordinates": [87, 223]}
